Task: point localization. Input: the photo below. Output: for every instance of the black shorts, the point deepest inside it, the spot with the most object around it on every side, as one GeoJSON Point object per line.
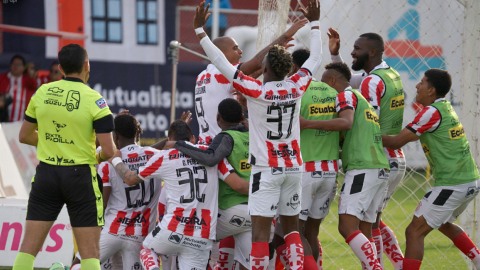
{"type": "Point", "coordinates": [75, 186]}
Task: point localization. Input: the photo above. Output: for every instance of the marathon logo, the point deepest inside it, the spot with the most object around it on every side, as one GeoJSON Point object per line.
{"type": "Point", "coordinates": [57, 139]}
{"type": "Point", "coordinates": [456, 132]}
{"type": "Point", "coordinates": [371, 117]}
{"type": "Point", "coordinates": [425, 148]}
{"type": "Point", "coordinates": [321, 109]}
{"type": "Point", "coordinates": [175, 238]}
{"type": "Point", "coordinates": [282, 97]}
{"type": "Point", "coordinates": [397, 103]}
{"type": "Point", "coordinates": [244, 166]}
{"type": "Point", "coordinates": [237, 221]}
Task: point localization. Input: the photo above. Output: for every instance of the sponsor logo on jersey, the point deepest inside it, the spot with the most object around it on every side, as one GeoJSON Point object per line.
{"type": "Point", "coordinates": [244, 166]}
{"type": "Point", "coordinates": [425, 148]}
{"type": "Point", "coordinates": [175, 238]}
{"type": "Point", "coordinates": [285, 152]}
{"type": "Point", "coordinates": [317, 174]}
{"type": "Point", "coordinates": [383, 173]}
{"type": "Point", "coordinates": [292, 170]}
{"type": "Point", "coordinates": [138, 158]}
{"type": "Point", "coordinates": [101, 103]}
{"type": "Point", "coordinates": [397, 103]}
{"type": "Point", "coordinates": [397, 123]}
{"type": "Point", "coordinates": [237, 221]}
{"type": "Point", "coordinates": [282, 97]}
{"type": "Point", "coordinates": [139, 219]}
{"type": "Point", "coordinates": [322, 132]}
{"type": "Point", "coordinates": [323, 100]}
{"type": "Point", "coordinates": [277, 170]}
{"type": "Point", "coordinates": [321, 109]}
{"type": "Point", "coordinates": [191, 220]}
{"type": "Point", "coordinates": [455, 122]}
{"type": "Point", "coordinates": [456, 132]}
{"type": "Point", "coordinates": [73, 100]}
{"type": "Point", "coordinates": [205, 80]}
{"type": "Point", "coordinates": [58, 126]}
{"type": "Point", "coordinates": [56, 138]}
{"type": "Point", "coordinates": [61, 160]}
{"type": "Point", "coordinates": [377, 138]}
{"type": "Point", "coordinates": [371, 116]}
{"type": "Point", "coordinates": [55, 90]}
{"type": "Point", "coordinates": [301, 73]}
{"type": "Point", "coordinates": [304, 212]}
{"type": "Point", "coordinates": [51, 101]}
{"type": "Point", "coordinates": [318, 88]}
{"type": "Point", "coordinates": [329, 174]}
{"type": "Point", "coordinates": [294, 201]}
{"type": "Point", "coordinates": [200, 90]}
{"type": "Point", "coordinates": [194, 243]}
{"type": "Point", "coordinates": [177, 155]}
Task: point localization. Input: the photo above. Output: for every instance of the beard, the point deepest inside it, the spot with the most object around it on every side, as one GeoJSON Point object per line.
{"type": "Point", "coordinates": [360, 63]}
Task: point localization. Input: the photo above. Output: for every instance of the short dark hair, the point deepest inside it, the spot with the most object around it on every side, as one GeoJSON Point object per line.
{"type": "Point", "coordinates": [18, 56]}
{"type": "Point", "coordinates": [179, 131]}
{"type": "Point", "coordinates": [300, 56]}
{"type": "Point", "coordinates": [126, 125]}
{"type": "Point", "coordinates": [440, 79]}
{"type": "Point", "coordinates": [341, 68]}
{"type": "Point", "coordinates": [72, 58]}
{"type": "Point", "coordinates": [230, 110]}
{"type": "Point", "coordinates": [280, 60]}
{"type": "Point", "coordinates": [377, 40]}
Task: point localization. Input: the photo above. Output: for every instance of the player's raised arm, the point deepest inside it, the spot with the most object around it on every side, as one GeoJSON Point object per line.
{"type": "Point", "coordinates": [214, 54]}
{"type": "Point", "coordinates": [253, 65]}
{"type": "Point", "coordinates": [313, 15]}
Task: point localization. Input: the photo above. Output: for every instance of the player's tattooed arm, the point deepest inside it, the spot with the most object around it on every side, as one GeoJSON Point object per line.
{"type": "Point", "coordinates": [405, 136]}
{"type": "Point", "coordinates": [254, 64]}
{"type": "Point", "coordinates": [130, 178]}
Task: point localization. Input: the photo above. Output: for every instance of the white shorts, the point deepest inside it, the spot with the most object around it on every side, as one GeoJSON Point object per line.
{"type": "Point", "coordinates": [318, 192]}
{"type": "Point", "coordinates": [192, 252]}
{"type": "Point", "coordinates": [275, 188]}
{"type": "Point", "coordinates": [235, 221]}
{"type": "Point", "coordinates": [362, 192]}
{"type": "Point", "coordinates": [445, 203]}
{"type": "Point", "coordinates": [397, 172]}
{"type": "Point", "coordinates": [110, 244]}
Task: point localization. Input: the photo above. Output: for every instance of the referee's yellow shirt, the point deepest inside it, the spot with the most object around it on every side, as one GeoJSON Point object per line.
{"type": "Point", "coordinates": [68, 113]}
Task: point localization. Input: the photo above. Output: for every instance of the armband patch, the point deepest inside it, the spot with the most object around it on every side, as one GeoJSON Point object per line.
{"type": "Point", "coordinates": [101, 103]}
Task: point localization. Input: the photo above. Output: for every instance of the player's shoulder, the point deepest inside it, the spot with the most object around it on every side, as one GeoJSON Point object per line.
{"type": "Point", "coordinates": [371, 79]}
{"type": "Point", "coordinates": [150, 150]}
{"type": "Point", "coordinates": [428, 110]}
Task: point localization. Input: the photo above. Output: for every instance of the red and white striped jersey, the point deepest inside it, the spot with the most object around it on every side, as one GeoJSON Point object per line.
{"type": "Point", "coordinates": [274, 110]}
{"type": "Point", "coordinates": [428, 119]}
{"type": "Point", "coordinates": [321, 166]}
{"type": "Point", "coordinates": [211, 88]}
{"type": "Point", "coordinates": [131, 210]}
{"type": "Point", "coordinates": [346, 100]}
{"type": "Point", "coordinates": [191, 190]}
{"type": "Point", "coordinates": [21, 90]}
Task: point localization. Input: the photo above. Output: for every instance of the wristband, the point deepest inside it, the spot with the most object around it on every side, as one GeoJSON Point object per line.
{"type": "Point", "coordinates": [315, 23]}
{"type": "Point", "coordinates": [199, 30]}
{"type": "Point", "coordinates": [115, 161]}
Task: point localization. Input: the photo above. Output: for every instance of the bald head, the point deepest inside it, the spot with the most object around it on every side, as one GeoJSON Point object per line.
{"type": "Point", "coordinates": [230, 49]}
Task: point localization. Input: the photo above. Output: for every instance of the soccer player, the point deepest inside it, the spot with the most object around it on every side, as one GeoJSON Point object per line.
{"type": "Point", "coordinates": [232, 143]}
{"type": "Point", "coordinates": [456, 175]}
{"type": "Point", "coordinates": [320, 153]}
{"type": "Point", "coordinates": [274, 152]}
{"type": "Point", "coordinates": [188, 228]}
{"type": "Point", "coordinates": [381, 85]}
{"type": "Point", "coordinates": [131, 211]}
{"type": "Point", "coordinates": [212, 87]}
{"type": "Point", "coordinates": [67, 115]}
{"type": "Point", "coordinates": [363, 161]}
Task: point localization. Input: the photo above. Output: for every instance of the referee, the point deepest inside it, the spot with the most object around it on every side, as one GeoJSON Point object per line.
{"type": "Point", "coordinates": [62, 119]}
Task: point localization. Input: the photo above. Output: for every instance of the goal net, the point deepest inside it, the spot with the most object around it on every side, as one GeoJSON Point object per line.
{"type": "Point", "coordinates": [418, 34]}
